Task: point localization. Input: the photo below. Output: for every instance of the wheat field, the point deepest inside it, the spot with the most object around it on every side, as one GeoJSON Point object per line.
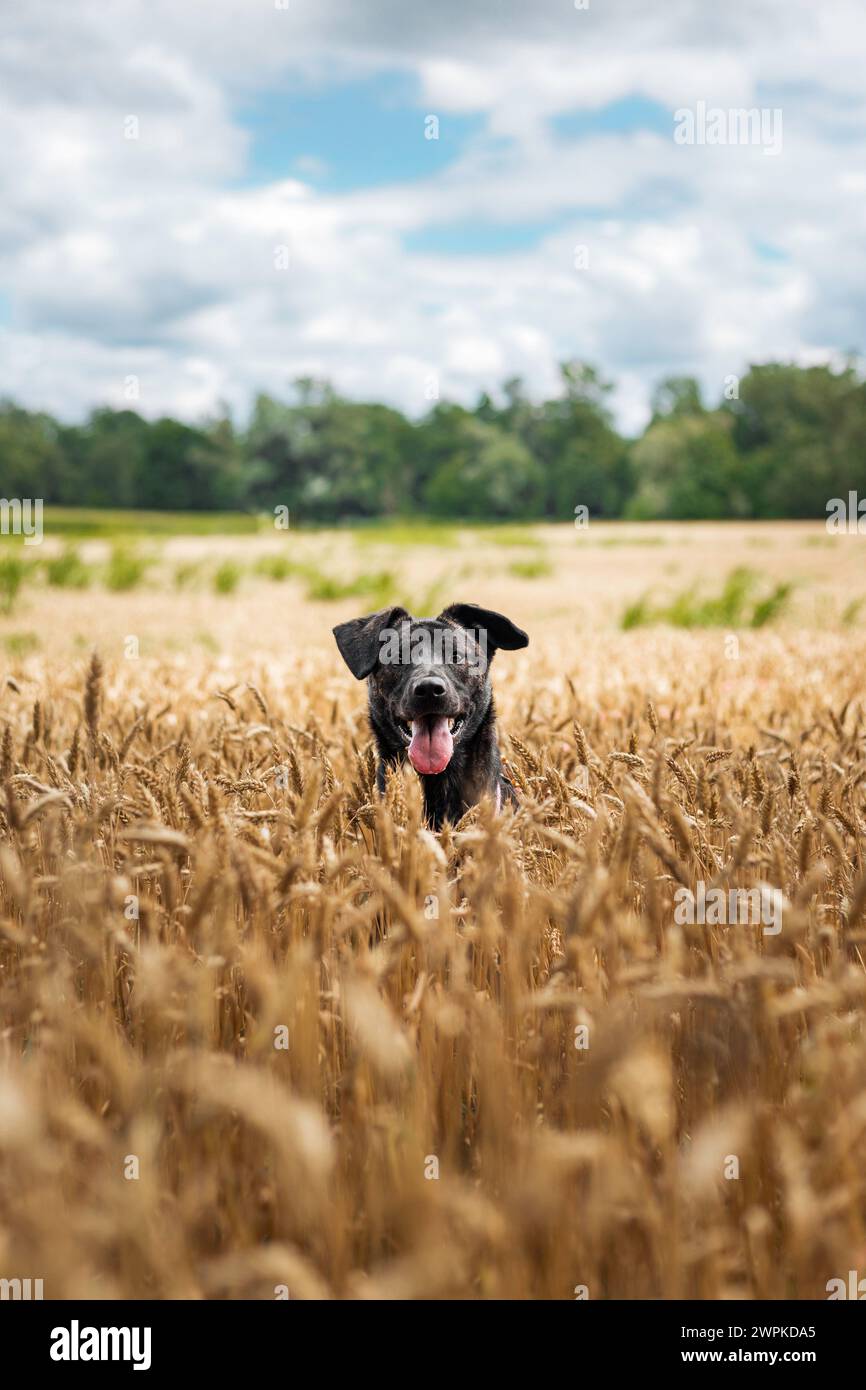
{"type": "Point", "coordinates": [264, 1035]}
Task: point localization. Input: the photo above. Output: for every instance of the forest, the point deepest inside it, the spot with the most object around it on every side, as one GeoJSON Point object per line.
{"type": "Point", "coordinates": [779, 443]}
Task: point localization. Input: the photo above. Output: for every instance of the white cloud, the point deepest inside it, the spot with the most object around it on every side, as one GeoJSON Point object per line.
{"type": "Point", "coordinates": [150, 256]}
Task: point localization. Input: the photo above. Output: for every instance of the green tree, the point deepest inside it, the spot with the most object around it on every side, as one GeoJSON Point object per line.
{"type": "Point", "coordinates": [106, 458]}
{"type": "Point", "coordinates": [489, 475]}
{"type": "Point", "coordinates": [686, 467]}
{"type": "Point", "coordinates": [32, 462]}
{"type": "Point", "coordinates": [800, 433]}
{"type": "Point", "coordinates": [676, 395]}
{"type": "Point", "coordinates": [327, 459]}
{"type": "Point", "coordinates": [583, 459]}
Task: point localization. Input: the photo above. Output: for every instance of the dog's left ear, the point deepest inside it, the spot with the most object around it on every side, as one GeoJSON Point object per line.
{"type": "Point", "coordinates": [501, 631]}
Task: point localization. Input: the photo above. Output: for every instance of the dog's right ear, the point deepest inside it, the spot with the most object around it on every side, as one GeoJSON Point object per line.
{"type": "Point", "coordinates": [360, 639]}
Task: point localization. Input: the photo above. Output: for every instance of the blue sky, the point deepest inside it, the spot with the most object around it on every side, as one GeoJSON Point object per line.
{"type": "Point", "coordinates": [362, 134]}
{"type": "Point", "coordinates": [281, 212]}
{"type": "Point", "coordinates": [365, 134]}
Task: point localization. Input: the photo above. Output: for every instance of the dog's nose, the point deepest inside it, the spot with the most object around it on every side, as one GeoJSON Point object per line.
{"type": "Point", "coordinates": [431, 688]}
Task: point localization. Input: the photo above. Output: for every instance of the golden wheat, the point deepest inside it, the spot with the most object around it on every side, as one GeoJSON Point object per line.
{"type": "Point", "coordinates": [263, 1032]}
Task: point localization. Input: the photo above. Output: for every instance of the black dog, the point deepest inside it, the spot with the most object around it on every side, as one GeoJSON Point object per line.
{"type": "Point", "coordinates": [430, 699]}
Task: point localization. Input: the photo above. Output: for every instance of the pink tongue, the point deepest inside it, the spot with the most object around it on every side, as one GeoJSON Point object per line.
{"type": "Point", "coordinates": [432, 744]}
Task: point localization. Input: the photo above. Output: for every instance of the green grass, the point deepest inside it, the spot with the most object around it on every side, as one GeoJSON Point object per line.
{"type": "Point", "coordinates": [637, 614]}
{"type": "Point", "coordinates": [187, 574]}
{"type": "Point", "coordinates": [405, 532]}
{"type": "Point", "coordinates": [498, 534]}
{"type": "Point", "coordinates": [276, 567]}
{"type": "Point", "coordinates": [227, 577]}
{"type": "Point", "coordinates": [12, 572]}
{"type": "Point", "coordinates": [20, 644]}
{"type": "Point", "coordinates": [67, 570]}
{"type": "Point", "coordinates": [536, 568]}
{"type": "Point", "coordinates": [378, 588]}
{"type": "Point", "coordinates": [737, 605]}
{"type": "Point", "coordinates": [769, 608]}
{"type": "Point", "coordinates": [126, 568]}
{"type": "Point", "coordinates": [109, 523]}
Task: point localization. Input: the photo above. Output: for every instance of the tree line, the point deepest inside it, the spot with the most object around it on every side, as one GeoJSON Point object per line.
{"type": "Point", "coordinates": [787, 440]}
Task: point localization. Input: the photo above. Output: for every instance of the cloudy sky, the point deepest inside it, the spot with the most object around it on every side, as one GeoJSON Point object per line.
{"type": "Point", "coordinates": [279, 210]}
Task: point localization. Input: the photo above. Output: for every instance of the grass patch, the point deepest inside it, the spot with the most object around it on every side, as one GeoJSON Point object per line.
{"type": "Point", "coordinates": [126, 568]}
{"type": "Point", "coordinates": [637, 614]}
{"type": "Point", "coordinates": [12, 573]}
{"type": "Point", "coordinates": [275, 567]}
{"type": "Point", "coordinates": [404, 532]}
{"type": "Point", "coordinates": [536, 568]}
{"type": "Point", "coordinates": [227, 577]}
{"type": "Point", "coordinates": [187, 574]}
{"type": "Point", "coordinates": [769, 608]}
{"type": "Point", "coordinates": [67, 570]}
{"type": "Point", "coordinates": [21, 644]}
{"type": "Point", "coordinates": [737, 605]}
{"type": "Point", "coordinates": [377, 587]}
{"type": "Point", "coordinates": [108, 523]}
{"type": "Point", "coordinates": [508, 536]}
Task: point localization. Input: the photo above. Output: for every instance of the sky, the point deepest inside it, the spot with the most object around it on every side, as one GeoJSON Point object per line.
{"type": "Point", "coordinates": [202, 199]}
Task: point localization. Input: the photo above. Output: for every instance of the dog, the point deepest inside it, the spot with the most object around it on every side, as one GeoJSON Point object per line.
{"type": "Point", "coordinates": [430, 699]}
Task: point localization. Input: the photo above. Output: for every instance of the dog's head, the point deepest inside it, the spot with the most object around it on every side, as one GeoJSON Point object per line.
{"type": "Point", "coordinates": [429, 677]}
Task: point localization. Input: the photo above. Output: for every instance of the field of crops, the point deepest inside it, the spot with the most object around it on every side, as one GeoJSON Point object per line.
{"type": "Point", "coordinates": [264, 1035]}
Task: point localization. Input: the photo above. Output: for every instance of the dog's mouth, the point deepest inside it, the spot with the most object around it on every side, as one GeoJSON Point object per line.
{"type": "Point", "coordinates": [430, 739]}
